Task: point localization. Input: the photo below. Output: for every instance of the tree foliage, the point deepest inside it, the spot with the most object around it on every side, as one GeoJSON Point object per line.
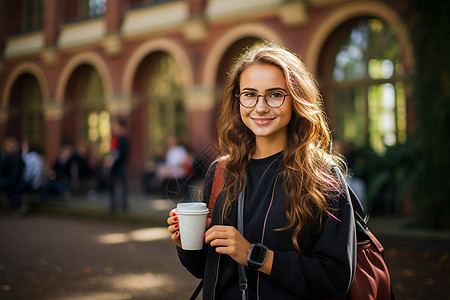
{"type": "Point", "coordinates": [430, 35]}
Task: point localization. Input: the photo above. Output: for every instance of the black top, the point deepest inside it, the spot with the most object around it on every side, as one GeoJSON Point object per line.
{"type": "Point", "coordinates": [325, 267]}
{"type": "Point", "coordinates": [12, 166]}
{"type": "Point", "coordinates": [261, 176]}
{"type": "Point", "coordinates": [123, 151]}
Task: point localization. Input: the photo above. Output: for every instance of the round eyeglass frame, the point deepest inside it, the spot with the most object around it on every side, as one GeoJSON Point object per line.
{"type": "Point", "coordinates": [238, 96]}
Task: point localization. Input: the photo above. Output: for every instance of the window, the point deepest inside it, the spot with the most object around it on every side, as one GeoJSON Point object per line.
{"type": "Point", "coordinates": [32, 15]}
{"type": "Point", "coordinates": [84, 9]}
{"type": "Point", "coordinates": [32, 107]}
{"type": "Point", "coordinates": [369, 106]}
{"type": "Point", "coordinates": [95, 120]}
{"type": "Point", "coordinates": [167, 116]}
{"type": "Point", "coordinates": [24, 16]}
{"type": "Point", "coordinates": [96, 8]}
{"type": "Point", "coordinates": [25, 113]}
{"type": "Point", "coordinates": [140, 3]}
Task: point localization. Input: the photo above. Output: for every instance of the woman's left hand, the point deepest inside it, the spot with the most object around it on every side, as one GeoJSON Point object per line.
{"type": "Point", "coordinates": [228, 240]}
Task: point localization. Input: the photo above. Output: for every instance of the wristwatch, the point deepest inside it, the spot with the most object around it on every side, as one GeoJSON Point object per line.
{"type": "Point", "coordinates": [256, 256]}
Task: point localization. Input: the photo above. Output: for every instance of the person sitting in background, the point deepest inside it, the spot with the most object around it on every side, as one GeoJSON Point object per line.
{"type": "Point", "coordinates": [150, 182]}
{"type": "Point", "coordinates": [34, 167]}
{"type": "Point", "coordinates": [11, 170]}
{"type": "Point", "coordinates": [357, 183]}
{"type": "Point", "coordinates": [173, 172]}
{"type": "Point", "coordinates": [80, 170]}
{"type": "Point", "coordinates": [58, 181]}
{"type": "Point", "coordinates": [175, 160]}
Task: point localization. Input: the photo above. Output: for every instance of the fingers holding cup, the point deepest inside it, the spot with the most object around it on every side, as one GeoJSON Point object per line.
{"type": "Point", "coordinates": [173, 228]}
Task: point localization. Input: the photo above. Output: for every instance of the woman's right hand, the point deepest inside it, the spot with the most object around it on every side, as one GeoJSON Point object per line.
{"type": "Point", "coordinates": [172, 221]}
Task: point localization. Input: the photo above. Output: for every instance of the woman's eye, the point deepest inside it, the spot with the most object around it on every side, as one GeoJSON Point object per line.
{"type": "Point", "coordinates": [276, 95]}
{"type": "Point", "coordinates": [250, 95]}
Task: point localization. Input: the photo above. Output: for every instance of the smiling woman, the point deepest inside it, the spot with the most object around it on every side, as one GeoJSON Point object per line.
{"type": "Point", "coordinates": [298, 238]}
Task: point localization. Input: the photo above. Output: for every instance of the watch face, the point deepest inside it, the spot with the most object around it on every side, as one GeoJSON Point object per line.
{"type": "Point", "coordinates": [258, 254]}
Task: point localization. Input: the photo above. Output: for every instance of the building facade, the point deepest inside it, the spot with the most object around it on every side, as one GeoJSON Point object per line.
{"type": "Point", "coordinates": [68, 67]}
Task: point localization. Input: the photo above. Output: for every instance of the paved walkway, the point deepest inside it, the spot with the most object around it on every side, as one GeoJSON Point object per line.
{"type": "Point", "coordinates": [46, 257]}
{"type": "Point", "coordinates": [418, 259]}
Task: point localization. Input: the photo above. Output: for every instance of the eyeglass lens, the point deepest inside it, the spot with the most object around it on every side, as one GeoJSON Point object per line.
{"type": "Point", "coordinates": [273, 99]}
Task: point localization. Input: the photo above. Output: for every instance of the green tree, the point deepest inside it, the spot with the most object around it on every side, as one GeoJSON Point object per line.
{"type": "Point", "coordinates": [431, 95]}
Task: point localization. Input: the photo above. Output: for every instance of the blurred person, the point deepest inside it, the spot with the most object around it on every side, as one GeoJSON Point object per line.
{"type": "Point", "coordinates": [176, 156]}
{"type": "Point", "coordinates": [58, 177]}
{"type": "Point", "coordinates": [80, 170]}
{"type": "Point", "coordinates": [357, 183]}
{"type": "Point", "coordinates": [11, 172]}
{"type": "Point", "coordinates": [298, 239]}
{"type": "Point", "coordinates": [175, 170]}
{"type": "Point", "coordinates": [92, 159]}
{"type": "Point", "coordinates": [33, 174]}
{"type": "Point", "coordinates": [150, 182]}
{"type": "Point", "coordinates": [116, 162]}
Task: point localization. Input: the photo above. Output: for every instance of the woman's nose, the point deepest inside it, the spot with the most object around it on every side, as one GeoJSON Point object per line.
{"type": "Point", "coordinates": [261, 105]}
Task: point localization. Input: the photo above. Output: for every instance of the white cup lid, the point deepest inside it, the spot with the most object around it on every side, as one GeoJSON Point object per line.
{"type": "Point", "coordinates": [192, 208]}
{"type": "Point", "coordinates": [184, 212]}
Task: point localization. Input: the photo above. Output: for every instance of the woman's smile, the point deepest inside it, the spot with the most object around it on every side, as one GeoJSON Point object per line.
{"type": "Point", "coordinates": [262, 121]}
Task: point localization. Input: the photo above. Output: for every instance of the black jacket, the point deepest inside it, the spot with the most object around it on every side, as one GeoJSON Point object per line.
{"type": "Point", "coordinates": [325, 267]}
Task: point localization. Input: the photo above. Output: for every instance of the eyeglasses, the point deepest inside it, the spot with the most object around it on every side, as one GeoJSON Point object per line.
{"type": "Point", "coordinates": [273, 99]}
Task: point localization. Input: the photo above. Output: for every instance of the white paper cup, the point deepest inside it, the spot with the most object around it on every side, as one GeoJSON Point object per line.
{"type": "Point", "coordinates": [192, 224]}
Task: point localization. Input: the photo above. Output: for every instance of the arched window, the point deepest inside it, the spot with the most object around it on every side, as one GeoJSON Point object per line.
{"type": "Point", "coordinates": [95, 119]}
{"type": "Point", "coordinates": [368, 98]}
{"type": "Point", "coordinates": [26, 115]}
{"type": "Point", "coordinates": [33, 115]}
{"type": "Point", "coordinates": [86, 120]}
{"type": "Point", "coordinates": [167, 115]}
{"type": "Point", "coordinates": [236, 49]}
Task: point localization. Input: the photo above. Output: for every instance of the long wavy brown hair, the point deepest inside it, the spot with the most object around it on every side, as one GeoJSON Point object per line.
{"type": "Point", "coordinates": [307, 176]}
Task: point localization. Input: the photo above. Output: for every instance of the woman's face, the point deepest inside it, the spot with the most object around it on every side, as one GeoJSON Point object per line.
{"type": "Point", "coordinates": [264, 121]}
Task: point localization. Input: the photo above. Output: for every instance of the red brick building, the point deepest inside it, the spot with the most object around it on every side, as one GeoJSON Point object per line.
{"type": "Point", "coordinates": [67, 67]}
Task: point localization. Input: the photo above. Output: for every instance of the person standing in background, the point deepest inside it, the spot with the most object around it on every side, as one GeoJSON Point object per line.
{"type": "Point", "coordinates": [116, 162]}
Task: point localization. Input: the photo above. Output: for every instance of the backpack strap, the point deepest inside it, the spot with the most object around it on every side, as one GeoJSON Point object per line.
{"type": "Point", "coordinates": [358, 212]}
{"type": "Point", "coordinates": [218, 183]}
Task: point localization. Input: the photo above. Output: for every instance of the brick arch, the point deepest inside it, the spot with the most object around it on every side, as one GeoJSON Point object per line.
{"type": "Point", "coordinates": [351, 10]}
{"type": "Point", "coordinates": [172, 48]}
{"type": "Point", "coordinates": [259, 30]}
{"type": "Point", "coordinates": [91, 58]}
{"type": "Point", "coordinates": [30, 68]}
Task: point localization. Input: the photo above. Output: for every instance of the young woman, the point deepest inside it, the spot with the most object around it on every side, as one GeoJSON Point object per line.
{"type": "Point", "coordinates": [297, 218]}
